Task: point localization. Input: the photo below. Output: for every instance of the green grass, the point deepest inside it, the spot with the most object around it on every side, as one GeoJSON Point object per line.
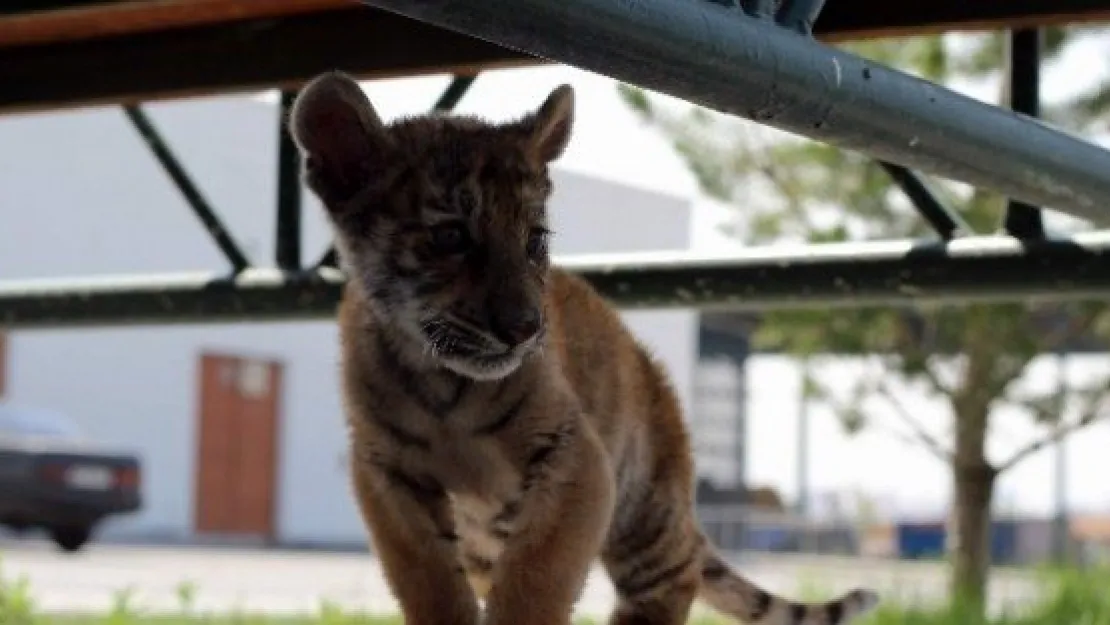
{"type": "Point", "coordinates": [1074, 598]}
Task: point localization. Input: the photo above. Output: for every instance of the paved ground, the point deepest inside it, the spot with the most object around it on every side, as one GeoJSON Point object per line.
{"type": "Point", "coordinates": [281, 581]}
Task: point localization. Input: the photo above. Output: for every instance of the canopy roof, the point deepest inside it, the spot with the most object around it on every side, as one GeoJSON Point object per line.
{"type": "Point", "coordinates": [61, 53]}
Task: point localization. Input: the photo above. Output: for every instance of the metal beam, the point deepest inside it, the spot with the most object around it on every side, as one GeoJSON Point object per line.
{"type": "Point", "coordinates": [734, 63]}
{"type": "Point", "coordinates": [1024, 60]}
{"type": "Point", "coordinates": [235, 57]}
{"type": "Point", "coordinates": [288, 236]}
{"type": "Point", "coordinates": [829, 275]}
{"type": "Point", "coordinates": [945, 221]}
{"type": "Point", "coordinates": [193, 196]}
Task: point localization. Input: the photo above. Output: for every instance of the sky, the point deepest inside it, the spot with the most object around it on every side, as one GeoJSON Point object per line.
{"type": "Point", "coordinates": [609, 142]}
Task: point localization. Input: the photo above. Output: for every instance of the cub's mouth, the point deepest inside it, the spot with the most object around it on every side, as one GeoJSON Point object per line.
{"type": "Point", "coordinates": [482, 366]}
{"type": "Point", "coordinates": [472, 353]}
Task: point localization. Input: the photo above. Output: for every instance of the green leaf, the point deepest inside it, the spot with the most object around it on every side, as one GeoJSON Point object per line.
{"type": "Point", "coordinates": [635, 98]}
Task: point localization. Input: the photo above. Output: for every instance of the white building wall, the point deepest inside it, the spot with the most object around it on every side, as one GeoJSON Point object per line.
{"type": "Point", "coordinates": [81, 195]}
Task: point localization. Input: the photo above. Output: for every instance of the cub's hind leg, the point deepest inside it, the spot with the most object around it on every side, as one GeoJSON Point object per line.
{"type": "Point", "coordinates": [653, 558]}
{"type": "Point", "coordinates": [668, 604]}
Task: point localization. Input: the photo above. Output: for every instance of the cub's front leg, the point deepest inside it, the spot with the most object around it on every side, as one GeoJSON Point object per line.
{"type": "Point", "coordinates": [558, 526]}
{"type": "Point", "coordinates": [414, 535]}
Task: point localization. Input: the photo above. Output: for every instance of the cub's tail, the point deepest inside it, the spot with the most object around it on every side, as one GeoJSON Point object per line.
{"type": "Point", "coordinates": [734, 595]}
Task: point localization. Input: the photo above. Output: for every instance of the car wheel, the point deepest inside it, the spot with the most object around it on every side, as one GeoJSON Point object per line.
{"type": "Point", "coordinates": [71, 539]}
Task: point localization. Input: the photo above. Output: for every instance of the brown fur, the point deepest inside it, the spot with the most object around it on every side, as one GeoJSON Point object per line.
{"type": "Point", "coordinates": [506, 429]}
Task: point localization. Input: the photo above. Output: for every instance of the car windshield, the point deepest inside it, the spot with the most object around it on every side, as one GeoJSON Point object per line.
{"type": "Point", "coordinates": [27, 422]}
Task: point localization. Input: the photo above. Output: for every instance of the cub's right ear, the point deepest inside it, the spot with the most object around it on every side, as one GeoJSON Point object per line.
{"type": "Point", "coordinates": [341, 137]}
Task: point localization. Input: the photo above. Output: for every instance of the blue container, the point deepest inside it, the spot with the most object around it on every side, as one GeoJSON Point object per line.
{"type": "Point", "coordinates": [1004, 542]}
{"type": "Point", "coordinates": [768, 539]}
{"type": "Point", "coordinates": [920, 540]}
{"type": "Point", "coordinates": [926, 540]}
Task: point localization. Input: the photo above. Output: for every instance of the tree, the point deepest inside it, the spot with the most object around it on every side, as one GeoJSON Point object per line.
{"type": "Point", "coordinates": [972, 356]}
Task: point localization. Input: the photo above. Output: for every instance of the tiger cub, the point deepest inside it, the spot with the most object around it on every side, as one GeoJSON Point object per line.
{"type": "Point", "coordinates": [505, 428]}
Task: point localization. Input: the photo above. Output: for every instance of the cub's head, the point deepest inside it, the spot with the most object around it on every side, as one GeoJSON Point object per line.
{"type": "Point", "coordinates": [441, 219]}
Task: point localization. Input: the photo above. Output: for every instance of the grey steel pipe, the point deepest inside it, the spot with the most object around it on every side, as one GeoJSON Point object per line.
{"type": "Point", "coordinates": [728, 61]}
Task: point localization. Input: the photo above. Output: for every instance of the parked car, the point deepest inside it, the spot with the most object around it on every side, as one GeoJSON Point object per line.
{"type": "Point", "coordinates": [54, 478]}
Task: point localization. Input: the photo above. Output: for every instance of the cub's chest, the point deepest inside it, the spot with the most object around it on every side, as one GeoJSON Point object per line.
{"type": "Point", "coordinates": [483, 525]}
{"type": "Point", "coordinates": [475, 470]}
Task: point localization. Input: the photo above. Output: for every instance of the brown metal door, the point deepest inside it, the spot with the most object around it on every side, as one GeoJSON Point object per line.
{"type": "Point", "coordinates": [237, 445]}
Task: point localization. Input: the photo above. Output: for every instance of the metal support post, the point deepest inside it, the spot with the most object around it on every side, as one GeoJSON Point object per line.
{"type": "Point", "coordinates": [730, 62]}
{"type": "Point", "coordinates": [1025, 220]}
{"type": "Point", "coordinates": [1061, 525]}
{"type": "Point", "coordinates": [802, 447]}
{"type": "Point", "coordinates": [287, 244]}
{"type": "Point", "coordinates": [945, 221]}
{"type": "Point", "coordinates": [192, 194]}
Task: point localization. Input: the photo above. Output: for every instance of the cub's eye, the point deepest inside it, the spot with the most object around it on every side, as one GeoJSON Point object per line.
{"type": "Point", "coordinates": [537, 243]}
{"type": "Point", "coordinates": [450, 238]}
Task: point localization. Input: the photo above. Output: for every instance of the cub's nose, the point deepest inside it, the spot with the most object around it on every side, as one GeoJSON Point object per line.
{"type": "Point", "coordinates": [515, 327]}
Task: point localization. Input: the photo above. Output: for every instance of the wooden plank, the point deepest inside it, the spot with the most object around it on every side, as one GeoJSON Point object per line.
{"type": "Point", "coordinates": [847, 20]}
{"type": "Point", "coordinates": [122, 18]}
{"type": "Point", "coordinates": [240, 56]}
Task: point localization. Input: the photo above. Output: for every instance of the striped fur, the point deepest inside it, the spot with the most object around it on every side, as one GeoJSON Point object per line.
{"type": "Point", "coordinates": [506, 429]}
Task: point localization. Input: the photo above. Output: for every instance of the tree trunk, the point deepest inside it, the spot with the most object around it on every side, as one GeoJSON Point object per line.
{"type": "Point", "coordinates": [971, 557]}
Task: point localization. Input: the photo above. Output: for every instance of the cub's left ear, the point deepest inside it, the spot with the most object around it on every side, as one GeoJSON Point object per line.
{"type": "Point", "coordinates": [550, 126]}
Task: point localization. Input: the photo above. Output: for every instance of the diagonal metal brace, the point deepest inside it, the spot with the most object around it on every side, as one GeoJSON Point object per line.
{"type": "Point", "coordinates": [192, 194]}
{"type": "Point", "coordinates": [454, 92]}
{"type": "Point", "coordinates": [945, 221]}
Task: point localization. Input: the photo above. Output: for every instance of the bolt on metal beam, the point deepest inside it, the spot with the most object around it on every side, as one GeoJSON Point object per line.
{"type": "Point", "coordinates": [945, 221]}
{"type": "Point", "coordinates": [843, 275]}
{"type": "Point", "coordinates": [730, 62]}
{"type": "Point", "coordinates": [1024, 59]}
{"type": "Point", "coordinates": [799, 15]}
{"type": "Point", "coordinates": [446, 101]}
{"type": "Point", "coordinates": [193, 196]}
{"type": "Point", "coordinates": [287, 240]}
